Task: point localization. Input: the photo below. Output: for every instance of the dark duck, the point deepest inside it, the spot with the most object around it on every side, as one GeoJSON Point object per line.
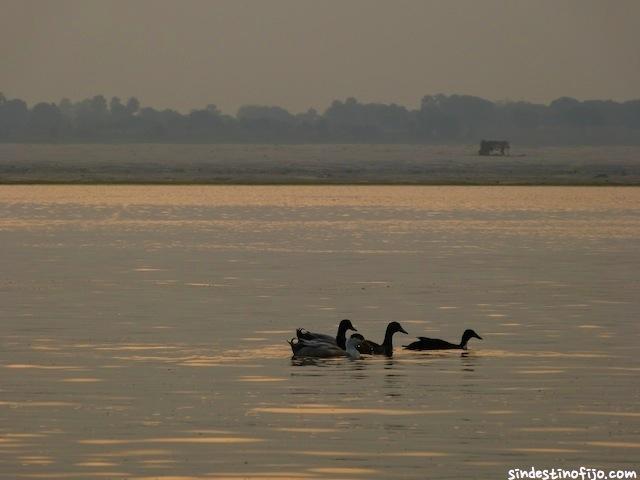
{"type": "Point", "coordinates": [339, 340]}
{"type": "Point", "coordinates": [425, 343]}
{"type": "Point", "coordinates": [371, 348]}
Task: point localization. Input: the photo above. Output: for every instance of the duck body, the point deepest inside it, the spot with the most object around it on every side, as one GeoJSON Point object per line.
{"type": "Point", "coordinates": [339, 339]}
{"type": "Point", "coordinates": [386, 348]}
{"type": "Point", "coordinates": [319, 349]}
{"type": "Point", "coordinates": [425, 343]}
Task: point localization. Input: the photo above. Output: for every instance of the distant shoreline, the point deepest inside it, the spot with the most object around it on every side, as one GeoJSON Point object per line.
{"type": "Point", "coordinates": [314, 164]}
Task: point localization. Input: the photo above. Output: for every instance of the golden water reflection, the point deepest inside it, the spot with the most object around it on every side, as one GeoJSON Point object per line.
{"type": "Point", "coordinates": [147, 338]}
{"type": "Point", "coordinates": [544, 450]}
{"type": "Point", "coordinates": [435, 197]}
{"type": "Point", "coordinates": [329, 410]}
{"type": "Point", "coordinates": [344, 470]}
{"type": "Point", "coordinates": [306, 430]}
{"type": "Point", "coordinates": [176, 440]}
{"type": "Point", "coordinates": [615, 444]}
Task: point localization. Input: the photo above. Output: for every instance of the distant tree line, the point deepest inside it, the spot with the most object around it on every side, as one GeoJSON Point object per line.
{"type": "Point", "coordinates": [439, 119]}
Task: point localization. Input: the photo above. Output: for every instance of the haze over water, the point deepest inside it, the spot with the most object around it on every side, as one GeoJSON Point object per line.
{"type": "Point", "coordinates": [144, 331]}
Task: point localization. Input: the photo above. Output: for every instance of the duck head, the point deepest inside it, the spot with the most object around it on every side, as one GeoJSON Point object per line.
{"type": "Point", "coordinates": [357, 338]}
{"type": "Point", "coordinates": [468, 334]}
{"type": "Point", "coordinates": [394, 327]}
{"type": "Point", "coordinates": [346, 325]}
{"type": "Point", "coordinates": [295, 345]}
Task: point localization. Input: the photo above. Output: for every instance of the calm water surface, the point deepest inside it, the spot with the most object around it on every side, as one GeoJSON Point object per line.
{"type": "Point", "coordinates": [143, 331]}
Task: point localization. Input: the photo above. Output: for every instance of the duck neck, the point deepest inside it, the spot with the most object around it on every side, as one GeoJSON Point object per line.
{"type": "Point", "coordinates": [463, 341]}
{"type": "Point", "coordinates": [388, 343]}
{"type": "Point", "coordinates": [341, 337]}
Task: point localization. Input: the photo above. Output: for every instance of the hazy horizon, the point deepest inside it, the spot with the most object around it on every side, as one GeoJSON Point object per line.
{"type": "Point", "coordinates": [301, 54]}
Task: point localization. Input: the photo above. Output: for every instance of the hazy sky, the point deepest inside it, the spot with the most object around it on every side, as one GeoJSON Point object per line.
{"type": "Point", "coordinates": [305, 53]}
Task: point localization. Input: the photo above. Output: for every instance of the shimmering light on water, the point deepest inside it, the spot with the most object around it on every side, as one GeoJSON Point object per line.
{"type": "Point", "coordinates": [145, 328]}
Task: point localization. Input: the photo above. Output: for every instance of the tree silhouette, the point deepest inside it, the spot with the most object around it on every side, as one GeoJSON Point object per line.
{"type": "Point", "coordinates": [438, 119]}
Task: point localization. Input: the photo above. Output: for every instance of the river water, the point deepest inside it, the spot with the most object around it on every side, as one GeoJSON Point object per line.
{"type": "Point", "coordinates": [144, 331]}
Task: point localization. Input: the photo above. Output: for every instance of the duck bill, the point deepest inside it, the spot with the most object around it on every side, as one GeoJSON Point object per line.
{"type": "Point", "coordinates": [403, 331]}
{"type": "Point", "coordinates": [478, 337]}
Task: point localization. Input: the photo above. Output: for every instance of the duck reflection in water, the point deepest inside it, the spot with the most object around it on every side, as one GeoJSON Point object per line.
{"type": "Point", "coordinates": [394, 378]}
{"type": "Point", "coordinates": [469, 361]}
